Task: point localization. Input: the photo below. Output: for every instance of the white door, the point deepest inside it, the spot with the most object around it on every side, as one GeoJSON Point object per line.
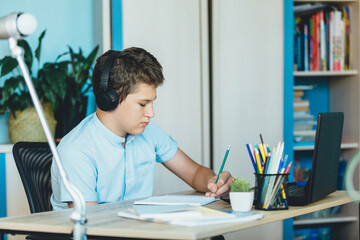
{"type": "Point", "coordinates": [172, 31]}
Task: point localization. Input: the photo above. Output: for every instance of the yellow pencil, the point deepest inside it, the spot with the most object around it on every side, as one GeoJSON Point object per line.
{"type": "Point", "coordinates": [262, 151]}
{"type": "Point", "coordinates": [258, 160]}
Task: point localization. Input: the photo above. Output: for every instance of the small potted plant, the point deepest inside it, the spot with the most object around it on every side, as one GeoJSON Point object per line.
{"type": "Point", "coordinates": [241, 196]}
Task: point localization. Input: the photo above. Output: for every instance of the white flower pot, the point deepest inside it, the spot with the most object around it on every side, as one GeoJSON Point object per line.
{"type": "Point", "coordinates": [241, 201]}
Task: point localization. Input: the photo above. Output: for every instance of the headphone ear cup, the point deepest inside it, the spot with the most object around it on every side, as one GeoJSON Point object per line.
{"type": "Point", "coordinates": [107, 100]}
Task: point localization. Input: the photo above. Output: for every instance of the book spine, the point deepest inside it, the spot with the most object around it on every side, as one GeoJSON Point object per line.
{"type": "Point", "coordinates": [322, 42]}
{"type": "Point", "coordinates": [342, 43]}
{"type": "Point", "coordinates": [306, 48]}
{"type": "Point", "coordinates": [347, 38]}
{"type": "Point", "coordinates": [331, 39]}
{"type": "Point", "coordinates": [317, 42]}
{"type": "Point", "coordinates": [327, 36]}
{"type": "Point", "coordinates": [336, 43]}
{"type": "Point", "coordinates": [311, 45]}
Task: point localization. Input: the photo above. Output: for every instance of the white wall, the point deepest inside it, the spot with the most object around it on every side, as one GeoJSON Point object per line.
{"type": "Point", "coordinates": [248, 87]}
{"type": "Point", "coordinates": [64, 23]}
{"type": "Point", "coordinates": [171, 31]}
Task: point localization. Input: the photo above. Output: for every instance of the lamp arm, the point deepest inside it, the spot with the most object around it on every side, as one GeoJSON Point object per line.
{"type": "Point", "coordinates": [78, 216]}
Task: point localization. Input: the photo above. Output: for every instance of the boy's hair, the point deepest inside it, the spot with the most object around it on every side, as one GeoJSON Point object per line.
{"type": "Point", "coordinates": [131, 66]}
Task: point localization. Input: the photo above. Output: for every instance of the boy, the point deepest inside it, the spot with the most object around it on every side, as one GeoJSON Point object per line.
{"type": "Point", "coordinates": [110, 156]}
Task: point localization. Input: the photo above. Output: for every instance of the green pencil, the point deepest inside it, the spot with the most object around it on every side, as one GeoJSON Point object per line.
{"type": "Point", "coordinates": [223, 164]}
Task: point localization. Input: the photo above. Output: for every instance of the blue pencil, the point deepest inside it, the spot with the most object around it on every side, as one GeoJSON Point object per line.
{"type": "Point", "coordinates": [251, 156]}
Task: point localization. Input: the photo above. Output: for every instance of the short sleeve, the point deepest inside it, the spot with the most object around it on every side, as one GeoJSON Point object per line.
{"type": "Point", "coordinates": [165, 145]}
{"type": "Point", "coordinates": [81, 172]}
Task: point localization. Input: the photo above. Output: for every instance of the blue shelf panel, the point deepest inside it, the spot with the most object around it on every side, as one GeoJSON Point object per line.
{"type": "Point", "coordinates": [318, 96]}
{"type": "Point", "coordinates": [116, 21]}
{"type": "Point", "coordinates": [2, 185]}
{"type": "Point", "coordinates": [304, 144]}
{"type": "Point", "coordinates": [288, 231]}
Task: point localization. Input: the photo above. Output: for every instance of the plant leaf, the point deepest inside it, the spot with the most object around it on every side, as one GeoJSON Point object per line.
{"type": "Point", "coordinates": [60, 55]}
{"type": "Point", "coordinates": [55, 82]}
{"type": "Point", "coordinates": [28, 56]}
{"type": "Point", "coordinates": [7, 65]}
{"type": "Point", "coordinates": [19, 102]}
{"type": "Point", "coordinates": [38, 49]}
{"type": "Point", "coordinates": [92, 55]}
{"type": "Point", "coordinates": [10, 86]}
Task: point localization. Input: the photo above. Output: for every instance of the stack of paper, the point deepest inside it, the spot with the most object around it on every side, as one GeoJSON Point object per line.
{"type": "Point", "coordinates": [165, 212]}
{"type": "Point", "coordinates": [194, 200]}
{"type": "Point", "coordinates": [186, 215]}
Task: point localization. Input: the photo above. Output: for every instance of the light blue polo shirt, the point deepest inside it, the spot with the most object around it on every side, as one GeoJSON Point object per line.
{"type": "Point", "coordinates": [96, 162]}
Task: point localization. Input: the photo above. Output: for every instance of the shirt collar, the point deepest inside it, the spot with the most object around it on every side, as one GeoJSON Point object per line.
{"type": "Point", "coordinates": [112, 137]}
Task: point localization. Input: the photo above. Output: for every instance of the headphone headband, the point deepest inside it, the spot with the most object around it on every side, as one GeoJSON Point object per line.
{"type": "Point", "coordinates": [105, 72]}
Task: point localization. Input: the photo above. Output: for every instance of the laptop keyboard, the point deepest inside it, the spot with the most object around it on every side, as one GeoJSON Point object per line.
{"type": "Point", "coordinates": [296, 195]}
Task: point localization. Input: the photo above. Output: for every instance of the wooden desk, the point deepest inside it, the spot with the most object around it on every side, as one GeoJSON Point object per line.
{"type": "Point", "coordinates": [104, 222]}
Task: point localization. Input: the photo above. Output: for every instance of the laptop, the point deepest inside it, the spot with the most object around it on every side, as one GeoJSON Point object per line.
{"type": "Point", "coordinates": [324, 173]}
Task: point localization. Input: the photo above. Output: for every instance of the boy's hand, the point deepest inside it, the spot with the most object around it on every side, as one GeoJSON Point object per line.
{"type": "Point", "coordinates": [222, 186]}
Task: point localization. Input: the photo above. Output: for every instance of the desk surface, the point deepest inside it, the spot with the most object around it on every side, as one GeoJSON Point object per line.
{"type": "Point", "coordinates": [103, 221]}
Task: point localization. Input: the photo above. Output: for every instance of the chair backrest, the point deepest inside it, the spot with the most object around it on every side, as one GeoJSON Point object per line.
{"type": "Point", "coordinates": [33, 161]}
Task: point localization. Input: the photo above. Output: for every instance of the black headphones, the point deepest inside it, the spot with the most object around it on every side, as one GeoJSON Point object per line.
{"type": "Point", "coordinates": [107, 98]}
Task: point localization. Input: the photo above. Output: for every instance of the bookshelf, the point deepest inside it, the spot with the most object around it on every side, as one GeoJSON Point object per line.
{"type": "Point", "coordinates": [310, 146]}
{"type": "Point", "coordinates": [330, 220]}
{"type": "Point", "coordinates": [325, 73]}
{"type": "Point", "coordinates": [338, 91]}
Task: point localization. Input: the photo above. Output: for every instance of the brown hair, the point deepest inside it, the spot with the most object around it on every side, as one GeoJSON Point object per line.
{"type": "Point", "coordinates": [131, 66]}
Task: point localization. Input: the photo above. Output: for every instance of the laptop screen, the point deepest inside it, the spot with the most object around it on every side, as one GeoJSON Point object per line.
{"type": "Point", "coordinates": [323, 179]}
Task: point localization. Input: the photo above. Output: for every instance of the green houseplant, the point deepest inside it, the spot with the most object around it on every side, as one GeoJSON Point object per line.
{"type": "Point", "coordinates": [78, 70]}
{"type": "Point", "coordinates": [241, 196]}
{"type": "Point", "coordinates": [60, 85]}
{"type": "Point", "coordinates": [240, 185]}
{"type": "Point", "coordinates": [48, 80]}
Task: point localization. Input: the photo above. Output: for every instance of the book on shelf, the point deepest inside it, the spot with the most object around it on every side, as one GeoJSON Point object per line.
{"type": "Point", "coordinates": [338, 41]}
{"type": "Point", "coordinates": [305, 133]}
{"type": "Point", "coordinates": [298, 102]}
{"type": "Point", "coordinates": [304, 138]}
{"type": "Point", "coordinates": [322, 38]}
{"type": "Point", "coordinates": [347, 41]}
{"type": "Point", "coordinates": [298, 93]}
{"type": "Point", "coordinates": [322, 42]}
{"type": "Point", "coordinates": [300, 116]}
{"type": "Point", "coordinates": [304, 124]}
{"type": "Point", "coordinates": [306, 48]}
{"type": "Point", "coordinates": [313, 233]}
{"type": "Point", "coordinates": [308, 7]}
{"type": "Point", "coordinates": [303, 87]}
{"type": "Point", "coordinates": [301, 108]}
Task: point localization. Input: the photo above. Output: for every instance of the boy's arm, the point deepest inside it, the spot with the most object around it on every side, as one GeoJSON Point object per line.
{"type": "Point", "coordinates": [71, 204]}
{"type": "Point", "coordinates": [198, 177]}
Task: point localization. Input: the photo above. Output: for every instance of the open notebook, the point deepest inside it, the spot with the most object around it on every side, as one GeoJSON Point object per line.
{"type": "Point", "coordinates": [194, 200]}
{"type": "Point", "coordinates": [187, 216]}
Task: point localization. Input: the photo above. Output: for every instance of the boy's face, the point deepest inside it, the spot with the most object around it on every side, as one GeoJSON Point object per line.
{"type": "Point", "coordinates": [134, 112]}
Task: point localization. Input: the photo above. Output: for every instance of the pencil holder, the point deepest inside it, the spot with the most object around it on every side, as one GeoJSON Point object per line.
{"type": "Point", "coordinates": [270, 192]}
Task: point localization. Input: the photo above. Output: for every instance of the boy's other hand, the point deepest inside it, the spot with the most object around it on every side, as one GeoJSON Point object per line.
{"type": "Point", "coordinates": [222, 186]}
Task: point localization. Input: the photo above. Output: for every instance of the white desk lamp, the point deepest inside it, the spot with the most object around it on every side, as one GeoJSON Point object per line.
{"type": "Point", "coordinates": [13, 27]}
{"type": "Point", "coordinates": [349, 177]}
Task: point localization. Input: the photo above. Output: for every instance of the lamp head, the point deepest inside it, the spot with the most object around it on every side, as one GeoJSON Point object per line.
{"type": "Point", "coordinates": [17, 25]}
